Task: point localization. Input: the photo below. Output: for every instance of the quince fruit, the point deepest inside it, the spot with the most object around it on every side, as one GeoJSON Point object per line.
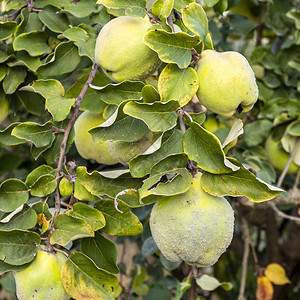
{"type": "Point", "coordinates": [278, 157]}
{"type": "Point", "coordinates": [121, 51]}
{"type": "Point", "coordinates": [226, 82]}
{"type": "Point", "coordinates": [194, 227]}
{"type": "Point", "coordinates": [65, 187]}
{"type": "Point", "coordinates": [108, 153]}
{"type": "Point", "coordinates": [41, 279]}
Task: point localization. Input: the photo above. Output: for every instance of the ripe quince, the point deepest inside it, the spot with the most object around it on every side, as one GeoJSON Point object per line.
{"type": "Point", "coordinates": [41, 279]}
{"type": "Point", "coordinates": [194, 227]}
{"type": "Point", "coordinates": [108, 153]}
{"type": "Point", "coordinates": [121, 51]}
{"type": "Point", "coordinates": [226, 82]}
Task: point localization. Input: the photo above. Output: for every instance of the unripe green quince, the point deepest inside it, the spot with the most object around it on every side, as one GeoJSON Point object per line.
{"type": "Point", "coordinates": [41, 280]}
{"type": "Point", "coordinates": [194, 227]}
{"type": "Point", "coordinates": [4, 109]}
{"type": "Point", "coordinates": [277, 157]}
{"type": "Point", "coordinates": [107, 153]}
{"type": "Point", "coordinates": [121, 51]}
{"type": "Point", "coordinates": [226, 82]}
{"type": "Point", "coordinates": [212, 124]}
{"type": "Point", "coordinates": [65, 187]}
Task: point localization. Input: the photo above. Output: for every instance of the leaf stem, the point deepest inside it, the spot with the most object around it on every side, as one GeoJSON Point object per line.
{"type": "Point", "coordinates": [63, 147]}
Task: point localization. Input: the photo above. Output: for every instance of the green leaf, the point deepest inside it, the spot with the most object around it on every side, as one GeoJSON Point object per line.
{"type": "Point", "coordinates": [138, 285]}
{"type": "Point", "coordinates": [81, 9]}
{"type": "Point", "coordinates": [128, 129]}
{"type": "Point", "coordinates": [239, 183]}
{"type": "Point", "coordinates": [204, 147]}
{"type": "Point", "coordinates": [45, 185]}
{"type": "Point", "coordinates": [91, 215]}
{"type": "Point", "coordinates": [4, 267]}
{"type": "Point", "coordinates": [149, 246]}
{"type": "Point", "coordinates": [25, 219]}
{"type": "Point", "coordinates": [7, 139]}
{"type": "Point", "coordinates": [294, 128]}
{"type": "Point", "coordinates": [80, 192]}
{"type": "Point", "coordinates": [257, 132]}
{"type": "Point", "coordinates": [53, 91]}
{"type": "Point", "coordinates": [209, 283]}
{"type": "Point", "coordinates": [35, 43]}
{"type": "Point", "coordinates": [80, 276]}
{"type": "Point", "coordinates": [167, 264]}
{"type": "Point", "coordinates": [42, 208]}
{"type": "Point", "coordinates": [7, 29]}
{"type": "Point", "coordinates": [116, 93]}
{"type": "Point", "coordinates": [65, 60]}
{"type": "Point", "coordinates": [102, 251]}
{"type": "Point", "coordinates": [142, 164]}
{"type": "Point", "coordinates": [91, 100]}
{"type": "Point", "coordinates": [82, 39]}
{"type": "Point", "coordinates": [97, 184]}
{"type": "Point", "coordinates": [119, 223]}
{"type": "Point", "coordinates": [54, 19]}
{"type": "Point", "coordinates": [29, 22]}
{"type": "Point", "coordinates": [13, 193]}
{"type": "Point", "coordinates": [172, 47]}
{"type": "Point", "coordinates": [35, 174]}
{"type": "Point", "coordinates": [40, 135]}
{"type": "Point", "coordinates": [194, 18]}
{"type": "Point", "coordinates": [132, 8]}
{"type": "Point", "coordinates": [162, 8]}
{"type": "Point", "coordinates": [150, 94]}
{"type": "Point", "coordinates": [24, 59]}
{"type": "Point", "coordinates": [182, 287]}
{"type": "Point", "coordinates": [211, 3]}
{"type": "Point", "coordinates": [14, 77]}
{"type": "Point", "coordinates": [68, 229]}
{"type": "Point", "coordinates": [158, 116]}
{"type": "Point", "coordinates": [3, 71]}
{"type": "Point", "coordinates": [178, 181]}
{"type": "Point", "coordinates": [177, 84]}
{"type": "Point", "coordinates": [18, 247]}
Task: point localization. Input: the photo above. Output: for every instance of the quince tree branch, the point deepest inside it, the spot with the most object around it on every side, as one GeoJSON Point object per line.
{"type": "Point", "coordinates": [63, 147]}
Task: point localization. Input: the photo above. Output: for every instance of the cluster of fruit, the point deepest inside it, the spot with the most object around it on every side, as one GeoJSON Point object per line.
{"type": "Point", "coordinates": [194, 227]}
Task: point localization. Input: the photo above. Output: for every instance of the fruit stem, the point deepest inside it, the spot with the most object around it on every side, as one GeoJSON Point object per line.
{"type": "Point", "coordinates": [63, 147]}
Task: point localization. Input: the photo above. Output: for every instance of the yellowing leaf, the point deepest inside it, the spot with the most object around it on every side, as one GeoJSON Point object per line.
{"type": "Point", "coordinates": [276, 274]}
{"type": "Point", "coordinates": [264, 288]}
{"type": "Point", "coordinates": [42, 221]}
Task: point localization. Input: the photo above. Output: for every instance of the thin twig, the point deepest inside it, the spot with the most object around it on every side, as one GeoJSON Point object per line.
{"type": "Point", "coordinates": [292, 155]}
{"type": "Point", "coordinates": [282, 214]}
{"type": "Point", "coordinates": [63, 147]}
{"type": "Point", "coordinates": [245, 259]}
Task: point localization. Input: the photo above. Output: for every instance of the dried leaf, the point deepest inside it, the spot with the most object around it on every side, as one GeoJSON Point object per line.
{"type": "Point", "coordinates": [264, 288]}
{"type": "Point", "coordinates": [276, 274]}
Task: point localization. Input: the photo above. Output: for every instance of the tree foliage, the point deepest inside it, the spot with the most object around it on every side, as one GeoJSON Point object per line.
{"type": "Point", "coordinates": [48, 77]}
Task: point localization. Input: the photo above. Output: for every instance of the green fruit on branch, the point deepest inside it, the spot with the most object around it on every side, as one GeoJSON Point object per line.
{"type": "Point", "coordinates": [121, 51]}
{"type": "Point", "coordinates": [41, 280]}
{"type": "Point", "coordinates": [212, 124]}
{"type": "Point", "coordinates": [277, 157]}
{"type": "Point", "coordinates": [226, 82]}
{"type": "Point", "coordinates": [194, 227]}
{"type": "Point", "coordinates": [4, 109]}
{"type": "Point", "coordinates": [65, 187]}
{"type": "Point", "coordinates": [107, 153]}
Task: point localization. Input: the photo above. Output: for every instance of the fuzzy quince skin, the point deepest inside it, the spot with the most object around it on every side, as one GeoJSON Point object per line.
{"type": "Point", "coordinates": [277, 157]}
{"type": "Point", "coordinates": [226, 82]}
{"type": "Point", "coordinates": [107, 153]}
{"type": "Point", "coordinates": [41, 280]}
{"type": "Point", "coordinates": [121, 51]}
{"type": "Point", "coordinates": [194, 227]}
